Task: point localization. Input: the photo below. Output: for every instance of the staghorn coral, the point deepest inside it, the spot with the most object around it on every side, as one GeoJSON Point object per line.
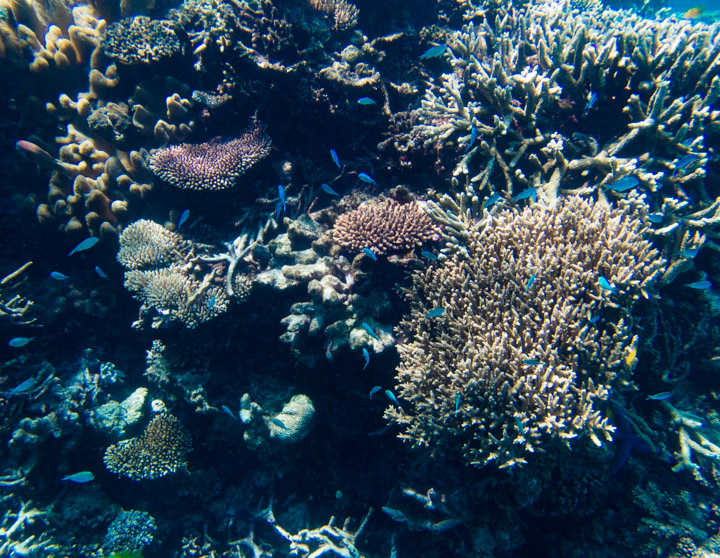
{"type": "Point", "coordinates": [385, 227]}
{"type": "Point", "coordinates": [529, 340]}
{"type": "Point", "coordinates": [146, 244]}
{"type": "Point", "coordinates": [142, 41]}
{"type": "Point", "coordinates": [344, 15]}
{"type": "Point", "coordinates": [213, 165]}
{"type": "Point", "coordinates": [159, 451]}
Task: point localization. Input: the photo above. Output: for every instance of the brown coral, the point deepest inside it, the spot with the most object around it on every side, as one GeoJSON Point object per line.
{"type": "Point", "coordinates": [529, 339]}
{"type": "Point", "coordinates": [385, 227]}
{"type": "Point", "coordinates": [141, 40]}
{"type": "Point", "coordinates": [145, 244]}
{"type": "Point", "coordinates": [343, 14]}
{"type": "Point", "coordinates": [161, 450]}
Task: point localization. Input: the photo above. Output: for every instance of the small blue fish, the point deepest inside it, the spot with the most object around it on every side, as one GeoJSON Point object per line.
{"type": "Point", "coordinates": [689, 253]}
{"type": "Point", "coordinates": [592, 99]}
{"type": "Point", "coordinates": [366, 354]}
{"type": "Point", "coordinates": [374, 390]}
{"type": "Point", "coordinates": [23, 387]}
{"type": "Point", "coordinates": [101, 273]}
{"type": "Point", "coordinates": [369, 331]}
{"type": "Point", "coordinates": [428, 255]}
{"type": "Point", "coordinates": [369, 253]}
{"type": "Point", "coordinates": [594, 319]}
{"type": "Point", "coordinates": [227, 411]}
{"type": "Point", "coordinates": [83, 476]}
{"type": "Point", "coordinates": [433, 52]}
{"type": "Point", "coordinates": [211, 302]}
{"type": "Point", "coordinates": [280, 424]}
{"type": "Point", "coordinates": [278, 210]}
{"type": "Point", "coordinates": [623, 184]}
{"type": "Point", "coordinates": [699, 285]}
{"type": "Point", "coordinates": [391, 397]}
{"type": "Point", "coordinates": [366, 178]}
{"type": "Point", "coordinates": [283, 199]}
{"type": "Point", "coordinates": [328, 190]}
{"type": "Point", "coordinates": [335, 158]}
{"type": "Point", "coordinates": [366, 101]}
{"type": "Point", "coordinates": [605, 284]}
{"type": "Point", "coordinates": [662, 396]}
{"type": "Point", "coordinates": [656, 217]}
{"type": "Point", "coordinates": [530, 283]}
{"type": "Point", "coordinates": [183, 218]}
{"type": "Point", "coordinates": [85, 245]}
{"type": "Point", "coordinates": [434, 313]}
{"type": "Point", "coordinates": [473, 137]}
{"type": "Point", "coordinates": [532, 362]}
{"type": "Point", "coordinates": [527, 193]}
{"type": "Point", "coordinates": [59, 276]}
{"type": "Point", "coordinates": [685, 161]}
{"type": "Point", "coordinates": [492, 200]}
{"type": "Point", "coordinates": [458, 398]}
{"type": "Point", "coordinates": [18, 342]}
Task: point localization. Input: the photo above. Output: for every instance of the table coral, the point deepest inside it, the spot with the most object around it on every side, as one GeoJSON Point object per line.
{"type": "Point", "coordinates": [142, 41]}
{"type": "Point", "coordinates": [524, 348]}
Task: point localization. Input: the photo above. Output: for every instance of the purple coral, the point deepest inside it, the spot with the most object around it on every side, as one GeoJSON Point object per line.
{"type": "Point", "coordinates": [213, 165]}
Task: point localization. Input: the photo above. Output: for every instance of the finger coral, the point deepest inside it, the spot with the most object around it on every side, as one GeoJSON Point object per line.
{"type": "Point", "coordinates": [146, 244]}
{"type": "Point", "coordinates": [385, 227]}
{"type": "Point", "coordinates": [534, 331]}
{"type": "Point", "coordinates": [159, 451]}
{"type": "Point", "coordinates": [213, 165]}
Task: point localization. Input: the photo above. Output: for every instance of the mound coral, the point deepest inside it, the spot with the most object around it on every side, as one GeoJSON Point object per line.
{"type": "Point", "coordinates": [159, 451]}
{"type": "Point", "coordinates": [213, 165]}
{"type": "Point", "coordinates": [533, 333]}
{"type": "Point", "coordinates": [385, 227]}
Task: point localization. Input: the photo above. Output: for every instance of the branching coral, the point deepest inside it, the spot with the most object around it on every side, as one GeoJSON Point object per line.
{"type": "Point", "coordinates": [344, 15]}
{"type": "Point", "coordinates": [214, 165]}
{"type": "Point", "coordinates": [385, 227]}
{"type": "Point", "coordinates": [159, 451]}
{"type": "Point", "coordinates": [145, 244]}
{"type": "Point", "coordinates": [525, 346]}
{"type": "Point", "coordinates": [141, 40]}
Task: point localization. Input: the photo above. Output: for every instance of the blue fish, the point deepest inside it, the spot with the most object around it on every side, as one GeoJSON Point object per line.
{"type": "Point", "coordinates": [59, 276]}
{"type": "Point", "coordinates": [83, 476]}
{"type": "Point", "coordinates": [428, 255]}
{"type": "Point", "coordinates": [366, 178]}
{"type": "Point", "coordinates": [605, 284]}
{"type": "Point", "coordinates": [592, 99]}
{"type": "Point", "coordinates": [458, 398]}
{"type": "Point", "coordinates": [366, 101]}
{"type": "Point", "coordinates": [85, 245]}
{"type": "Point", "coordinates": [594, 319]}
{"type": "Point", "coordinates": [23, 387]}
{"type": "Point", "coordinates": [685, 161]}
{"type": "Point", "coordinates": [623, 184]}
{"type": "Point", "coordinates": [328, 190]}
{"type": "Point", "coordinates": [473, 137]}
{"type": "Point", "coordinates": [18, 342]}
{"type": "Point", "coordinates": [366, 354]}
{"type": "Point", "coordinates": [699, 285]}
{"type": "Point", "coordinates": [211, 302]}
{"type": "Point", "coordinates": [433, 52]}
{"type": "Point", "coordinates": [434, 313]}
{"type": "Point", "coordinates": [280, 424]}
{"type": "Point", "coordinates": [283, 199]}
{"type": "Point", "coordinates": [369, 331]}
{"type": "Point", "coordinates": [100, 272]}
{"type": "Point", "coordinates": [662, 396]}
{"type": "Point", "coordinates": [656, 217]}
{"type": "Point", "coordinates": [374, 390]}
{"type": "Point", "coordinates": [335, 158]}
{"type": "Point", "coordinates": [391, 397]}
{"type": "Point", "coordinates": [689, 253]}
{"type": "Point", "coordinates": [183, 218]}
{"type": "Point", "coordinates": [227, 411]}
{"type": "Point", "coordinates": [527, 193]}
{"type": "Point", "coordinates": [369, 253]}
{"type": "Point", "coordinates": [532, 362]}
{"type": "Point", "coordinates": [530, 283]}
{"type": "Point", "coordinates": [278, 210]}
{"type": "Point", "coordinates": [492, 200]}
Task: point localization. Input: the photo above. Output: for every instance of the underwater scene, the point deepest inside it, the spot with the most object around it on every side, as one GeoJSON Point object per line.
{"type": "Point", "coordinates": [359, 278]}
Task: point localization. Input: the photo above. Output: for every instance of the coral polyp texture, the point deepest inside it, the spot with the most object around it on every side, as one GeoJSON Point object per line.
{"type": "Point", "coordinates": [141, 40]}
{"type": "Point", "coordinates": [533, 335]}
{"type": "Point", "coordinates": [213, 165]}
{"type": "Point", "coordinates": [146, 244]}
{"type": "Point", "coordinates": [159, 451]}
{"type": "Point", "coordinates": [385, 227]}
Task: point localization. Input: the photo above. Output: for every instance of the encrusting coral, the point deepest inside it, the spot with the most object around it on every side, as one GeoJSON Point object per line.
{"type": "Point", "coordinates": [532, 333]}
{"type": "Point", "coordinates": [159, 451]}
{"type": "Point", "coordinates": [213, 165]}
{"type": "Point", "coordinates": [385, 227]}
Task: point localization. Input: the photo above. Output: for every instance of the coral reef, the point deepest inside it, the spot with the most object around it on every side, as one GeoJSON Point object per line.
{"type": "Point", "coordinates": [524, 348]}
{"type": "Point", "coordinates": [343, 14]}
{"type": "Point", "coordinates": [161, 450]}
{"type": "Point", "coordinates": [130, 532]}
{"type": "Point", "coordinates": [213, 165]}
{"type": "Point", "coordinates": [145, 244]}
{"type": "Point", "coordinates": [142, 41]}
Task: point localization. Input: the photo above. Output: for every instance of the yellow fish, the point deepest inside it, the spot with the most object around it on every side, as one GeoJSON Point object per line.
{"type": "Point", "coordinates": [694, 13]}
{"type": "Point", "coordinates": [631, 357]}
